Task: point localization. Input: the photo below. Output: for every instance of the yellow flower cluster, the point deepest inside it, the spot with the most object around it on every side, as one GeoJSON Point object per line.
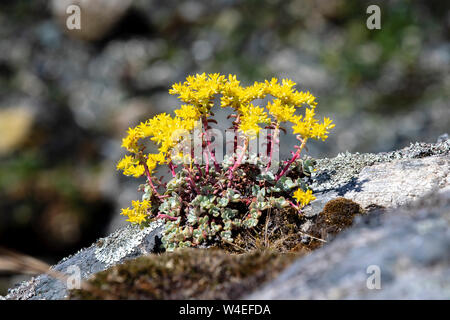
{"type": "Point", "coordinates": [251, 116]}
{"type": "Point", "coordinates": [162, 129]}
{"type": "Point", "coordinates": [309, 127]}
{"type": "Point", "coordinates": [235, 96]}
{"type": "Point", "coordinates": [281, 112]}
{"type": "Point", "coordinates": [130, 142]}
{"type": "Point", "coordinates": [131, 167]}
{"type": "Point", "coordinates": [199, 90]}
{"type": "Point", "coordinates": [303, 198]}
{"type": "Point", "coordinates": [138, 213]}
{"type": "Point", "coordinates": [284, 106]}
{"type": "Point", "coordinates": [188, 112]}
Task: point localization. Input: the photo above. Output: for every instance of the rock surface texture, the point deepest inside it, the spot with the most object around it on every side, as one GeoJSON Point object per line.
{"type": "Point", "coordinates": [407, 244]}
{"type": "Point", "coordinates": [409, 248]}
{"type": "Point", "coordinates": [410, 243]}
{"type": "Point", "coordinates": [126, 243]}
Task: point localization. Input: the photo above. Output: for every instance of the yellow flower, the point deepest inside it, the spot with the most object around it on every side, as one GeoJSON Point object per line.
{"type": "Point", "coordinates": [153, 160]}
{"type": "Point", "coordinates": [281, 112]}
{"type": "Point", "coordinates": [130, 142]}
{"type": "Point", "coordinates": [187, 112]}
{"type": "Point", "coordinates": [251, 116]}
{"type": "Point", "coordinates": [138, 213]}
{"type": "Point", "coordinates": [308, 126]}
{"type": "Point", "coordinates": [131, 167]}
{"type": "Point", "coordinates": [303, 198]}
{"type": "Point", "coordinates": [199, 90]}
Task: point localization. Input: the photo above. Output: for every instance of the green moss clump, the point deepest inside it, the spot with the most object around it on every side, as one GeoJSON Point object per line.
{"type": "Point", "coordinates": [337, 215]}
{"type": "Point", "coordinates": [187, 274]}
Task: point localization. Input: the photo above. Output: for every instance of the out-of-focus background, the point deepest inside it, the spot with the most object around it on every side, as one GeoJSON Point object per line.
{"type": "Point", "coordinates": [67, 97]}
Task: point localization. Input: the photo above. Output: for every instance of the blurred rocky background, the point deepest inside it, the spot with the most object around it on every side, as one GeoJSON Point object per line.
{"type": "Point", "coordinates": [67, 96]}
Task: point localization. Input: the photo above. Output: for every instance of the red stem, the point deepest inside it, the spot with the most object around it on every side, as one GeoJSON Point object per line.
{"type": "Point", "coordinates": [149, 179]}
{"type": "Point", "coordinates": [172, 169]}
{"type": "Point", "coordinates": [208, 142]}
{"type": "Point", "coordinates": [294, 157]}
{"type": "Point", "coordinates": [191, 181]}
{"type": "Point", "coordinates": [154, 188]}
{"type": "Point", "coordinates": [165, 216]}
{"type": "Point", "coordinates": [236, 128]}
{"type": "Point", "coordinates": [200, 173]}
{"type": "Point", "coordinates": [273, 140]}
{"type": "Point", "coordinates": [237, 162]}
{"type": "Point", "coordinates": [206, 162]}
{"type": "Point", "coordinates": [294, 206]}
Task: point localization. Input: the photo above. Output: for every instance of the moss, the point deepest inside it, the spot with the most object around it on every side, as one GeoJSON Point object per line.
{"type": "Point", "coordinates": [340, 212]}
{"type": "Point", "coordinates": [187, 274]}
{"type": "Point", "coordinates": [337, 215]}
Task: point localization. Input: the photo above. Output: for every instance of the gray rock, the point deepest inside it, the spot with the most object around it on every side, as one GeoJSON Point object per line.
{"type": "Point", "coordinates": [443, 137]}
{"type": "Point", "coordinates": [410, 246]}
{"type": "Point", "coordinates": [125, 243]}
{"type": "Point", "coordinates": [386, 179]}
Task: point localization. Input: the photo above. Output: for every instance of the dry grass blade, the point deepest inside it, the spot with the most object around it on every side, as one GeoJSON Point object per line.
{"type": "Point", "coordinates": [312, 237]}
{"type": "Point", "coordinates": [15, 262]}
{"type": "Point", "coordinates": [11, 261]}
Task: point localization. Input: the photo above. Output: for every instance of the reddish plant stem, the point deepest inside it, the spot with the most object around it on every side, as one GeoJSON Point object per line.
{"type": "Point", "coordinates": [149, 179]}
{"type": "Point", "coordinates": [165, 216]}
{"type": "Point", "coordinates": [236, 127]}
{"type": "Point", "coordinates": [191, 180]}
{"type": "Point", "coordinates": [273, 140]}
{"type": "Point", "coordinates": [294, 157]}
{"type": "Point", "coordinates": [206, 162]}
{"type": "Point", "coordinates": [172, 169]}
{"type": "Point", "coordinates": [237, 162]}
{"type": "Point", "coordinates": [294, 206]}
{"type": "Point", "coordinates": [200, 173]}
{"type": "Point", "coordinates": [154, 188]}
{"type": "Point", "coordinates": [208, 143]}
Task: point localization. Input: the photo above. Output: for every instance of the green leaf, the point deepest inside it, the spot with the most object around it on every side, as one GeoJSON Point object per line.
{"type": "Point", "coordinates": [215, 211]}
{"type": "Point", "coordinates": [222, 202]}
{"type": "Point", "coordinates": [226, 235]}
{"type": "Point", "coordinates": [280, 202]}
{"type": "Point", "coordinates": [192, 219]}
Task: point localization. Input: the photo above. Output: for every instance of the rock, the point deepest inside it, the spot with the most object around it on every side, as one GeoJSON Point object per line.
{"type": "Point", "coordinates": [125, 243]}
{"type": "Point", "coordinates": [400, 182]}
{"type": "Point", "coordinates": [442, 138]}
{"type": "Point", "coordinates": [410, 246]}
{"type": "Point", "coordinates": [385, 180]}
